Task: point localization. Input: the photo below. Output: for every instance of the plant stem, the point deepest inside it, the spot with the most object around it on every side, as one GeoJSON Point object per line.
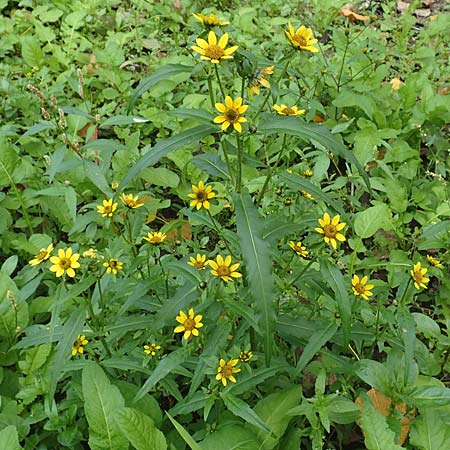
{"type": "Point", "coordinates": [227, 160]}
{"type": "Point", "coordinates": [239, 165]}
{"type": "Point", "coordinates": [211, 92]}
{"type": "Point", "coordinates": [219, 233]}
{"type": "Point", "coordinates": [219, 81]}
{"type": "Point", "coordinates": [301, 273]}
{"type": "Point", "coordinates": [98, 328]}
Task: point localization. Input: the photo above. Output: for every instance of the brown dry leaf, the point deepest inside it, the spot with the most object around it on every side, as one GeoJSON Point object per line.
{"type": "Point", "coordinates": [444, 90]}
{"type": "Point", "coordinates": [318, 118]}
{"type": "Point", "coordinates": [402, 6]}
{"type": "Point", "coordinates": [177, 4]}
{"type": "Point", "coordinates": [182, 233]}
{"type": "Point", "coordinates": [382, 404]}
{"type": "Point", "coordinates": [428, 2]}
{"type": "Point", "coordinates": [422, 12]}
{"type": "Point", "coordinates": [83, 132]}
{"type": "Point", "coordinates": [352, 16]}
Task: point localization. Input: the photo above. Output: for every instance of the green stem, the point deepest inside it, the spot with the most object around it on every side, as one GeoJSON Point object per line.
{"type": "Point", "coordinates": [227, 160]}
{"type": "Point", "coordinates": [211, 92]}
{"type": "Point", "coordinates": [19, 197]}
{"type": "Point", "coordinates": [219, 233]}
{"type": "Point", "coordinates": [243, 89]}
{"type": "Point", "coordinates": [98, 328]}
{"type": "Point", "coordinates": [130, 236]}
{"type": "Point", "coordinates": [400, 303]}
{"type": "Point", "coordinates": [239, 166]}
{"type": "Point", "coordinates": [165, 276]}
{"type": "Point", "coordinates": [269, 175]}
{"type": "Point", "coordinates": [301, 273]}
{"type": "Point", "coordinates": [342, 66]}
{"type": "Point", "coordinates": [219, 81]}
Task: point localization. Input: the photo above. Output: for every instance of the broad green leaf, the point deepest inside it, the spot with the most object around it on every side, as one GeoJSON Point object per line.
{"type": "Point", "coordinates": [39, 127]}
{"type": "Point", "coordinates": [122, 120]}
{"type": "Point", "coordinates": [313, 133]}
{"type": "Point", "coordinates": [101, 402]}
{"type": "Point", "coordinates": [162, 73]}
{"type": "Point", "coordinates": [426, 325]}
{"type": "Point", "coordinates": [241, 409]}
{"type": "Point", "coordinates": [376, 375]}
{"type": "Point", "coordinates": [258, 263]}
{"type": "Point", "coordinates": [164, 367]}
{"type": "Point", "coordinates": [231, 437]}
{"type": "Point", "coordinates": [155, 153]}
{"type": "Point", "coordinates": [35, 358]}
{"type": "Point", "coordinates": [431, 396]}
{"type": "Point", "coordinates": [343, 410]}
{"type": "Point", "coordinates": [9, 266]}
{"type": "Point", "coordinates": [369, 221]}
{"type": "Point", "coordinates": [104, 145]}
{"type": "Point", "coordinates": [335, 280]}
{"type": "Point", "coordinates": [160, 176]}
{"type": "Point", "coordinates": [348, 98]}
{"type": "Point", "coordinates": [315, 343]}
{"type": "Point", "coordinates": [273, 411]}
{"type": "Point", "coordinates": [9, 160]}
{"type": "Point", "coordinates": [31, 51]}
{"type": "Point", "coordinates": [140, 430]}
{"type": "Point", "coordinates": [377, 434]}
{"type": "Point", "coordinates": [190, 404]}
{"type": "Point", "coordinates": [10, 317]}
{"type": "Point", "coordinates": [429, 431]}
{"type": "Point", "coordinates": [211, 164]}
{"type": "Point", "coordinates": [200, 115]}
{"type": "Point", "coordinates": [9, 440]}
{"type": "Point", "coordinates": [298, 183]}
{"type": "Point", "coordinates": [408, 334]}
{"type": "Point", "coordinates": [184, 434]}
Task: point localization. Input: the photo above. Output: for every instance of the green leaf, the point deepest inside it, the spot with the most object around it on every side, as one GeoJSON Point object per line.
{"type": "Point", "coordinates": [101, 402]}
{"type": "Point", "coordinates": [313, 133]}
{"type": "Point", "coordinates": [377, 434]}
{"type": "Point", "coordinates": [9, 440]}
{"type": "Point", "coordinates": [273, 411]}
{"type": "Point", "coordinates": [31, 51]}
{"type": "Point", "coordinates": [315, 343]}
{"type": "Point", "coordinates": [241, 409]}
{"type": "Point", "coordinates": [343, 410]}
{"type": "Point", "coordinates": [429, 431]}
{"type": "Point", "coordinates": [369, 221]}
{"type": "Point", "coordinates": [335, 280]}
{"type": "Point", "coordinates": [162, 73]}
{"type": "Point", "coordinates": [408, 334]}
{"type": "Point", "coordinates": [140, 430]}
{"type": "Point", "coordinates": [184, 434]}
{"type": "Point", "coordinates": [211, 164]}
{"type": "Point", "coordinates": [200, 115]}
{"type": "Point", "coordinates": [431, 396]}
{"type": "Point", "coordinates": [258, 263]}
{"type": "Point", "coordinates": [231, 437]}
{"type": "Point", "coordinates": [348, 98]}
{"type": "Point", "coordinates": [160, 176]}
{"type": "Point", "coordinates": [39, 127]}
{"type": "Point", "coordinates": [9, 266]}
{"type": "Point", "coordinates": [164, 367]}
{"type": "Point", "coordinates": [375, 374]}
{"type": "Point", "coordinates": [123, 120]}
{"type": "Point", "coordinates": [155, 153]}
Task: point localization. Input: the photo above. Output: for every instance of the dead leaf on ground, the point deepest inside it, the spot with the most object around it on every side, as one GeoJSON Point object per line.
{"type": "Point", "coordinates": [422, 12]}
{"type": "Point", "coordinates": [352, 16]}
{"type": "Point", "coordinates": [402, 6]}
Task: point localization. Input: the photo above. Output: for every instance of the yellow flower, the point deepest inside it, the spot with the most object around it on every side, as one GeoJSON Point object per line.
{"type": "Point", "coordinates": [201, 195]}
{"type": "Point", "coordinates": [108, 208]}
{"type": "Point", "coordinates": [308, 173]}
{"type": "Point", "coordinates": [245, 356]}
{"type": "Point", "coordinates": [226, 370]}
{"type": "Point", "coordinates": [114, 185]}
{"type": "Point", "coordinates": [78, 345]}
{"type": "Point", "coordinates": [199, 262]}
{"type": "Point", "coordinates": [299, 248]}
{"type": "Point", "coordinates": [307, 195]}
{"type": "Point", "coordinates": [260, 79]}
{"type": "Point", "coordinates": [113, 266]}
{"type": "Point", "coordinates": [417, 274]}
{"type": "Point", "coordinates": [360, 287]}
{"type": "Point", "coordinates": [284, 110]}
{"type": "Point", "coordinates": [65, 262]}
{"type": "Point", "coordinates": [232, 112]}
{"type": "Point", "coordinates": [222, 268]}
{"type": "Point", "coordinates": [210, 20]}
{"type": "Point", "coordinates": [330, 229]}
{"type": "Point", "coordinates": [212, 50]}
{"type": "Point", "coordinates": [44, 253]}
{"type": "Point", "coordinates": [301, 39]}
{"type": "Point", "coordinates": [155, 237]}
{"type": "Point", "coordinates": [151, 349]}
{"type": "Point", "coordinates": [433, 261]}
{"type": "Point", "coordinates": [189, 324]}
{"type": "Point", "coordinates": [131, 202]}
{"type": "Point", "coordinates": [396, 83]}
{"type": "Point", "coordinates": [91, 253]}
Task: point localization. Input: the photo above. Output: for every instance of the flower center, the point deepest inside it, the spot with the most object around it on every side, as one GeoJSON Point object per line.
{"type": "Point", "coordinates": [107, 210]}
{"type": "Point", "coordinates": [418, 277]}
{"type": "Point", "coordinates": [329, 231]}
{"type": "Point", "coordinates": [201, 196]}
{"type": "Point", "coordinates": [41, 255]}
{"type": "Point", "coordinates": [300, 40]}
{"type": "Point", "coordinates": [360, 288]}
{"type": "Point", "coordinates": [232, 115]}
{"type": "Point", "coordinates": [113, 264]}
{"type": "Point", "coordinates": [189, 324]}
{"type": "Point", "coordinates": [288, 111]}
{"type": "Point", "coordinates": [223, 271]}
{"type": "Point", "coordinates": [214, 52]}
{"type": "Point", "coordinates": [65, 263]}
{"type": "Point", "coordinates": [227, 371]}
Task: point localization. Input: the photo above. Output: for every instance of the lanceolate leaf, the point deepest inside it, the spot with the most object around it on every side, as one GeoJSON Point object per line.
{"type": "Point", "coordinates": [164, 146]}
{"type": "Point", "coordinates": [315, 133]}
{"type": "Point", "coordinates": [162, 73]}
{"type": "Point", "coordinates": [184, 434]}
{"type": "Point", "coordinates": [101, 402]}
{"type": "Point", "coordinates": [258, 265]}
{"type": "Point", "coordinates": [336, 282]}
{"type": "Point", "coordinates": [140, 430]}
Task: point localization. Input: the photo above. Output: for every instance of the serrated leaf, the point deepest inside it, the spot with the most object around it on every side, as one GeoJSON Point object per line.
{"type": "Point", "coordinates": [315, 343]}
{"type": "Point", "coordinates": [162, 73]}
{"type": "Point", "coordinates": [155, 153]}
{"type": "Point", "coordinates": [9, 438]}
{"type": "Point", "coordinates": [258, 263]}
{"type": "Point", "coordinates": [184, 434]}
{"type": "Point", "coordinates": [429, 431]}
{"type": "Point", "coordinates": [140, 430]}
{"type": "Point", "coordinates": [369, 221]}
{"type": "Point", "coordinates": [335, 280]}
{"type": "Point", "coordinates": [241, 409]}
{"type": "Point", "coordinates": [314, 133]}
{"type": "Point", "coordinates": [164, 367]}
{"type": "Point", "coordinates": [101, 402]}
